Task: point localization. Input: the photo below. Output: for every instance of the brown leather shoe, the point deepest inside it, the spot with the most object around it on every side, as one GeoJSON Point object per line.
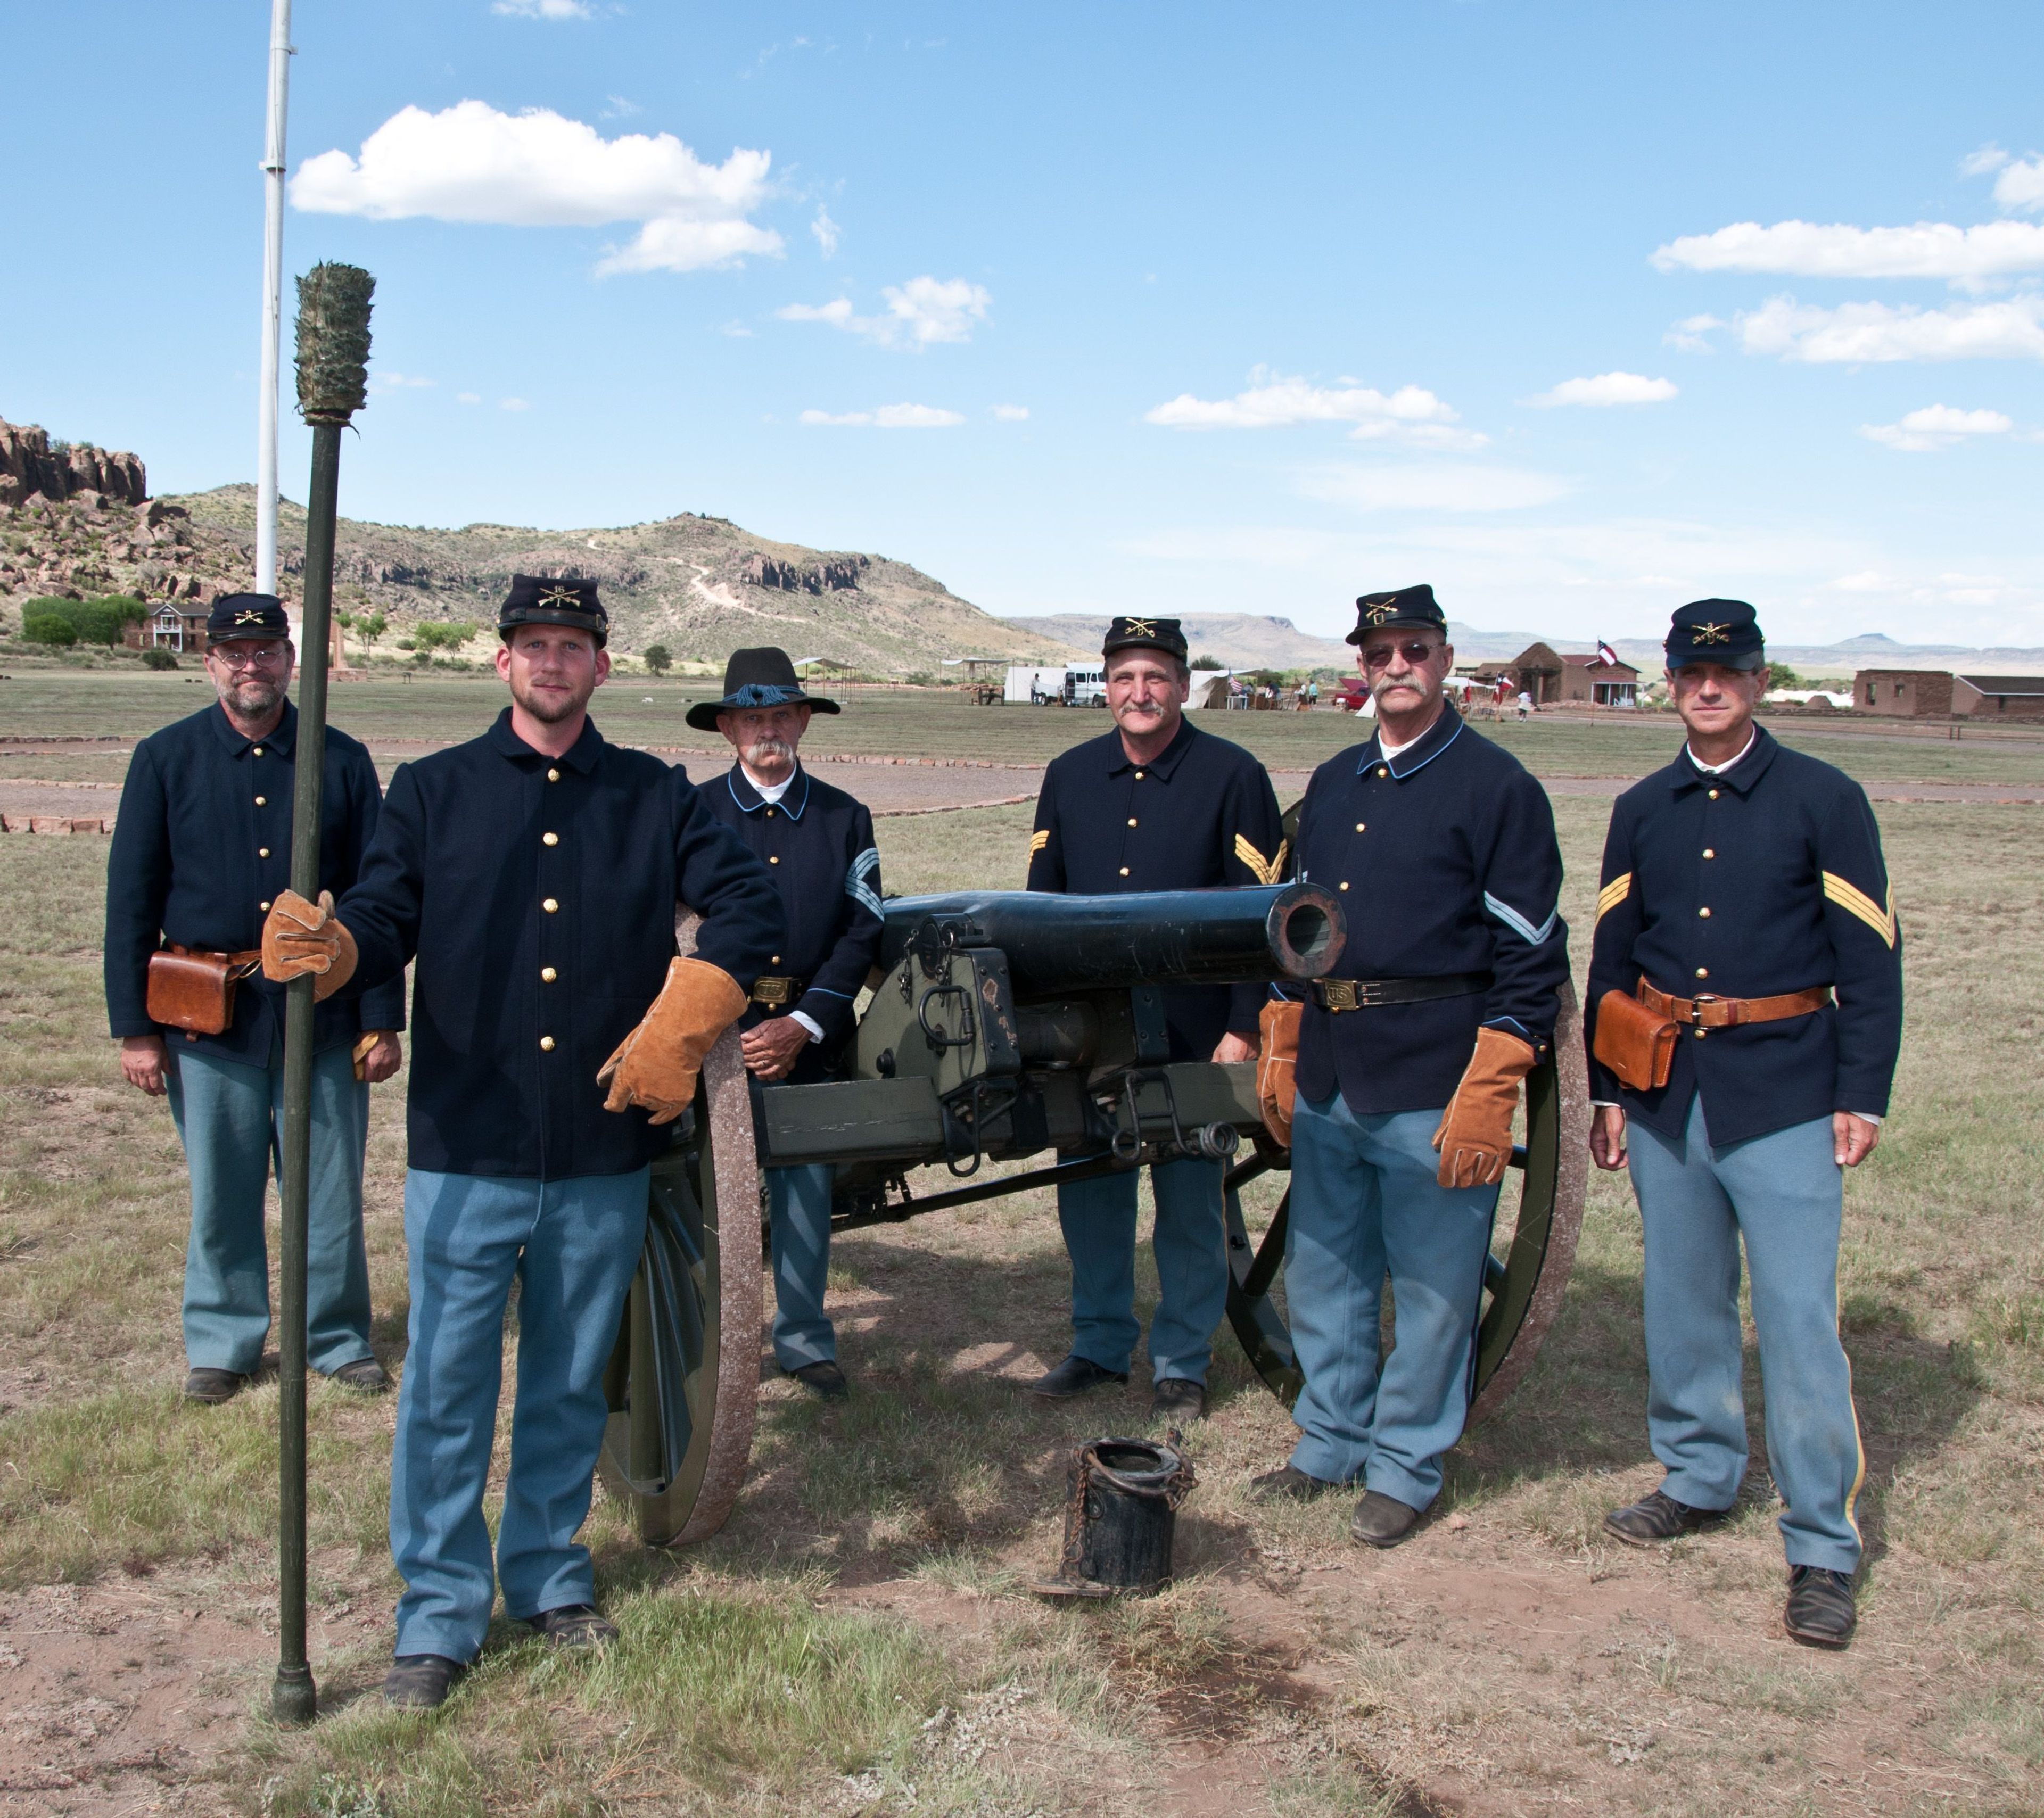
{"type": "Point", "coordinates": [1077, 1375]}
{"type": "Point", "coordinates": [1381, 1520]}
{"type": "Point", "coordinates": [365, 1376]}
{"type": "Point", "coordinates": [1821, 1612]}
{"type": "Point", "coordinates": [575, 1625]}
{"type": "Point", "coordinates": [1178, 1398]}
{"type": "Point", "coordinates": [213, 1386]}
{"type": "Point", "coordinates": [1657, 1517]}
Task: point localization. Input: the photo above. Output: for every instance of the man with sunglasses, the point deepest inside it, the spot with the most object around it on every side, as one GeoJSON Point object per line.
{"type": "Point", "coordinates": [1746, 913]}
{"type": "Point", "coordinates": [201, 848]}
{"type": "Point", "coordinates": [1441, 849]}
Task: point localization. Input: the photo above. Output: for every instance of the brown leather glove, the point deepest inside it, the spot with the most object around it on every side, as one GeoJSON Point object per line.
{"type": "Point", "coordinates": [1275, 1089]}
{"type": "Point", "coordinates": [300, 937]}
{"type": "Point", "coordinates": [1475, 1136]}
{"type": "Point", "coordinates": [655, 1066]}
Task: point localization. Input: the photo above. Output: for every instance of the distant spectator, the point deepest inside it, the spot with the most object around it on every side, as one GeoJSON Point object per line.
{"type": "Point", "coordinates": [1525, 704]}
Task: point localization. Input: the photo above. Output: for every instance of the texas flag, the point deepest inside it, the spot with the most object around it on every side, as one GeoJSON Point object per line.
{"type": "Point", "coordinates": [1606, 654]}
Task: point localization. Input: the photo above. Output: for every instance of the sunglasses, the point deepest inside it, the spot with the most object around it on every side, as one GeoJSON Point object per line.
{"type": "Point", "coordinates": [1416, 655]}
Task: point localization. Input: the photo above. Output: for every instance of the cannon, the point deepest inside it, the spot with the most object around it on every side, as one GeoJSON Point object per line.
{"type": "Point", "coordinates": [1002, 1025]}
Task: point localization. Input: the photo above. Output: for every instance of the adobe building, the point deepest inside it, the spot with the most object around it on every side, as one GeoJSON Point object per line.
{"type": "Point", "coordinates": [1554, 680]}
{"type": "Point", "coordinates": [169, 627]}
{"type": "Point", "coordinates": [1999, 697]}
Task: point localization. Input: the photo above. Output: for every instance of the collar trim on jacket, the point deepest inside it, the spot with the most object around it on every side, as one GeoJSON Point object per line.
{"type": "Point", "coordinates": [581, 756]}
{"type": "Point", "coordinates": [1164, 763]}
{"type": "Point", "coordinates": [792, 803]}
{"type": "Point", "coordinates": [283, 736]}
{"type": "Point", "coordinates": [1420, 753]}
{"type": "Point", "coordinates": [1683, 774]}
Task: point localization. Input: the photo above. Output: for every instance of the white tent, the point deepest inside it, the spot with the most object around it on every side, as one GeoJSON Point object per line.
{"type": "Point", "coordinates": [1209, 689]}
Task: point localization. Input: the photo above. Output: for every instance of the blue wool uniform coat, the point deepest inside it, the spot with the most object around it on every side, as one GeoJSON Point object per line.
{"type": "Point", "coordinates": [1764, 880]}
{"type": "Point", "coordinates": [1201, 814]}
{"type": "Point", "coordinates": [538, 897]}
{"type": "Point", "coordinates": [1444, 860]}
{"type": "Point", "coordinates": [818, 843]}
{"type": "Point", "coordinates": [202, 847]}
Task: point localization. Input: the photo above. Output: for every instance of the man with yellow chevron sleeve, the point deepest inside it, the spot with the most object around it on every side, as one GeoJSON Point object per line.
{"type": "Point", "coordinates": [1154, 805]}
{"type": "Point", "coordinates": [1745, 1016]}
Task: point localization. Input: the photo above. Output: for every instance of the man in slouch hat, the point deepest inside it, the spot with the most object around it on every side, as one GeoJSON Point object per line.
{"type": "Point", "coordinates": [1745, 1018]}
{"type": "Point", "coordinates": [533, 874]}
{"type": "Point", "coordinates": [201, 848]}
{"type": "Point", "coordinates": [818, 842]}
{"type": "Point", "coordinates": [1154, 805]}
{"type": "Point", "coordinates": [1441, 851]}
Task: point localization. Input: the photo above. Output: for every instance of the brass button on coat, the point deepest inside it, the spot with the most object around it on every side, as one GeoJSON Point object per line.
{"type": "Point", "coordinates": [553, 776]}
{"type": "Point", "coordinates": [1704, 913]}
{"type": "Point", "coordinates": [1384, 769]}
{"type": "Point", "coordinates": [550, 905]}
{"type": "Point", "coordinates": [1702, 972]}
{"type": "Point", "coordinates": [549, 839]}
{"type": "Point", "coordinates": [773, 858]}
{"type": "Point", "coordinates": [1139, 775]}
{"type": "Point", "coordinates": [1124, 871]}
{"type": "Point", "coordinates": [546, 1044]}
{"type": "Point", "coordinates": [1344, 884]}
{"type": "Point", "coordinates": [1709, 852]}
{"type": "Point", "coordinates": [261, 800]}
{"type": "Point", "coordinates": [1714, 795]}
{"type": "Point", "coordinates": [1358, 826]}
{"type": "Point", "coordinates": [1701, 1033]}
{"type": "Point", "coordinates": [1131, 820]}
{"type": "Point", "coordinates": [262, 852]}
{"type": "Point", "coordinates": [547, 975]}
{"type": "Point", "coordinates": [263, 907]}
{"type": "Point", "coordinates": [259, 751]}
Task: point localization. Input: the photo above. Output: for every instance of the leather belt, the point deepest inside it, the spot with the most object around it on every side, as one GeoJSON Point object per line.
{"type": "Point", "coordinates": [1708, 1012]}
{"type": "Point", "coordinates": [1339, 994]}
{"type": "Point", "coordinates": [776, 993]}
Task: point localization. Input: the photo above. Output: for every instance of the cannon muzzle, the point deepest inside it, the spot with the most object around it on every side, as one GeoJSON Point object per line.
{"type": "Point", "coordinates": [1056, 945]}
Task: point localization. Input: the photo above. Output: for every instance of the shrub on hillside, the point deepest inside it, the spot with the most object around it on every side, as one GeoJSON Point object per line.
{"type": "Point", "coordinates": [658, 659]}
{"type": "Point", "coordinates": [86, 621]}
{"type": "Point", "coordinates": [156, 657]}
{"type": "Point", "coordinates": [435, 636]}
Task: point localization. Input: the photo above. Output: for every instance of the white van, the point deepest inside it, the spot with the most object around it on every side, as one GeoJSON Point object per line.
{"type": "Point", "coordinates": [1085, 688]}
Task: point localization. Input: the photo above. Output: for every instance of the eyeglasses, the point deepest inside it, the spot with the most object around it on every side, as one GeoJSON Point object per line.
{"type": "Point", "coordinates": [1416, 655]}
{"type": "Point", "coordinates": [238, 655]}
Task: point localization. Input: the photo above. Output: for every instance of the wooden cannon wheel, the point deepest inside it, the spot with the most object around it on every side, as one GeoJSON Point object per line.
{"type": "Point", "coordinates": [1533, 1247]}
{"type": "Point", "coordinates": [683, 1384]}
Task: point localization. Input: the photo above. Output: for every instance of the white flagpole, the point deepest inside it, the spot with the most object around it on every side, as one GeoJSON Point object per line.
{"type": "Point", "coordinates": [273, 287]}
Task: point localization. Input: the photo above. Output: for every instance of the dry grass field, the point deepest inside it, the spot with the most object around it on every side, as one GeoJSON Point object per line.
{"type": "Point", "coordinates": [859, 1639]}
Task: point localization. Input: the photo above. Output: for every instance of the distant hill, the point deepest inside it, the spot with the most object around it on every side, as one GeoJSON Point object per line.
{"type": "Point", "coordinates": [1249, 640]}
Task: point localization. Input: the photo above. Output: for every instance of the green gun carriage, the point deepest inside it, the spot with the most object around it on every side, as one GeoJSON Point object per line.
{"type": "Point", "coordinates": [1003, 1025]}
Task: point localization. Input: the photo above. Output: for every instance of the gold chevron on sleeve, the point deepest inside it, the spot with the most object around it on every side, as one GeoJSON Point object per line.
{"type": "Point", "coordinates": [1613, 894]}
{"type": "Point", "coordinates": [1855, 901]}
{"type": "Point", "coordinates": [1038, 840]}
{"type": "Point", "coordinates": [1266, 870]}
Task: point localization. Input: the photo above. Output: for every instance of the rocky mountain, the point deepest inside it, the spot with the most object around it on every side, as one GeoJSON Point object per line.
{"type": "Point", "coordinates": [76, 521]}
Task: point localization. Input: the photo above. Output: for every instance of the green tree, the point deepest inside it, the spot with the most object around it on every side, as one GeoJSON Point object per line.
{"type": "Point", "coordinates": [1205, 661]}
{"type": "Point", "coordinates": [658, 659]}
{"type": "Point", "coordinates": [438, 635]}
{"type": "Point", "coordinates": [156, 657]}
{"type": "Point", "coordinates": [44, 623]}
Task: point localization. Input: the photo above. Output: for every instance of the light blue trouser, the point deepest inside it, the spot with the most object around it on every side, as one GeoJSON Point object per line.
{"type": "Point", "coordinates": [799, 1204]}
{"type": "Point", "coordinates": [1191, 1247]}
{"type": "Point", "coordinates": [230, 1117]}
{"type": "Point", "coordinates": [1366, 1201]}
{"type": "Point", "coordinates": [573, 1246]}
{"type": "Point", "coordinates": [1785, 1194]}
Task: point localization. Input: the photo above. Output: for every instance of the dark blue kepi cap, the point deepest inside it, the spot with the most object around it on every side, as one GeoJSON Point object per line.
{"type": "Point", "coordinates": [246, 615]}
{"type": "Point", "coordinates": [1137, 633]}
{"type": "Point", "coordinates": [1723, 631]}
{"type": "Point", "coordinates": [536, 600]}
{"type": "Point", "coordinates": [1401, 606]}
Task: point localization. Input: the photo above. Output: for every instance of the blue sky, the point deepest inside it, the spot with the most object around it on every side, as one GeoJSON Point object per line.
{"type": "Point", "coordinates": [1298, 301]}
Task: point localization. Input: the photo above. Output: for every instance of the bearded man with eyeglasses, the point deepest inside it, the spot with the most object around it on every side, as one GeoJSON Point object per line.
{"type": "Point", "coordinates": [201, 848]}
{"type": "Point", "coordinates": [1441, 851]}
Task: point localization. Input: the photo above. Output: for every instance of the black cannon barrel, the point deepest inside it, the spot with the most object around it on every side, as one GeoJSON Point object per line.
{"type": "Point", "coordinates": [1056, 944]}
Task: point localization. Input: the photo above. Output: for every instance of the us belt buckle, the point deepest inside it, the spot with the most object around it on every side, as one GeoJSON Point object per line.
{"type": "Point", "coordinates": [1339, 994]}
{"type": "Point", "coordinates": [773, 992]}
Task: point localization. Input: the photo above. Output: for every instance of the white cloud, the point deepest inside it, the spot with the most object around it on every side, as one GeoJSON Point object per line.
{"type": "Point", "coordinates": [1690, 334]}
{"type": "Point", "coordinates": [1608, 388]}
{"type": "Point", "coordinates": [1988, 158]}
{"type": "Point", "coordinates": [887, 417]}
{"type": "Point", "coordinates": [2021, 185]}
{"type": "Point", "coordinates": [512, 404]}
{"type": "Point", "coordinates": [1856, 332]}
{"type": "Point", "coordinates": [1273, 401]}
{"type": "Point", "coordinates": [1936, 426]}
{"type": "Point", "coordinates": [542, 9]}
{"type": "Point", "coordinates": [467, 398]}
{"type": "Point", "coordinates": [1443, 487]}
{"type": "Point", "coordinates": [385, 381]}
{"type": "Point", "coordinates": [828, 232]}
{"type": "Point", "coordinates": [1011, 413]}
{"type": "Point", "coordinates": [471, 162]}
{"type": "Point", "coordinates": [736, 331]}
{"type": "Point", "coordinates": [923, 311]}
{"type": "Point", "coordinates": [1930, 249]}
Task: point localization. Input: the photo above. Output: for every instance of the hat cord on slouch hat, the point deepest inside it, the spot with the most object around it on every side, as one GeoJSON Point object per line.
{"type": "Point", "coordinates": [761, 676]}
